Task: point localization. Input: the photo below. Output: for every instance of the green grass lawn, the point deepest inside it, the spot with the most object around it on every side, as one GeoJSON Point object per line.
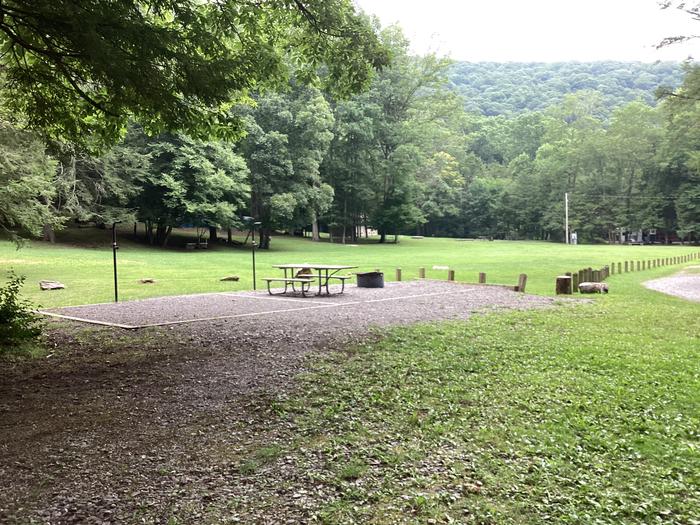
{"type": "Point", "coordinates": [583, 414]}
{"type": "Point", "coordinates": [82, 260]}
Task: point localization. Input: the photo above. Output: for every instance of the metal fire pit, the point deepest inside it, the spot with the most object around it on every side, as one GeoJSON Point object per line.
{"type": "Point", "coordinates": [370, 280]}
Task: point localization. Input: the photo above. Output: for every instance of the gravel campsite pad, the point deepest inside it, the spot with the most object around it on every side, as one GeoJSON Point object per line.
{"type": "Point", "coordinates": [396, 303]}
{"type": "Point", "coordinates": [137, 426]}
{"type": "Point", "coordinates": [685, 284]}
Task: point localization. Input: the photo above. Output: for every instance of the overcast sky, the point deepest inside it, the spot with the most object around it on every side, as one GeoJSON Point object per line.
{"type": "Point", "coordinates": [539, 30]}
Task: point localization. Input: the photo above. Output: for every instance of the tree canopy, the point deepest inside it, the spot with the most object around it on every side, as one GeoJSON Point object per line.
{"type": "Point", "coordinates": [78, 70]}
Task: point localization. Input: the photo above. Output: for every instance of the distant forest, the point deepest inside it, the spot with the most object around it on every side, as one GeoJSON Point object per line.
{"type": "Point", "coordinates": [492, 88]}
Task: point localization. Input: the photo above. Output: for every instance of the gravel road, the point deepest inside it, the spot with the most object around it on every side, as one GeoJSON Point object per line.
{"type": "Point", "coordinates": [137, 426]}
{"type": "Point", "coordinates": [685, 284]}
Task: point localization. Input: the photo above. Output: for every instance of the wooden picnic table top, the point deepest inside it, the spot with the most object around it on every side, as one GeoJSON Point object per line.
{"type": "Point", "coordinates": [315, 266]}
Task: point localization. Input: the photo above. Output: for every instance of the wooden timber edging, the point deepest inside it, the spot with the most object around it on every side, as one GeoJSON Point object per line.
{"type": "Point", "coordinates": [591, 275]}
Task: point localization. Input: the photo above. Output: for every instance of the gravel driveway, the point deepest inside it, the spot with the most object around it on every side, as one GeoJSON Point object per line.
{"type": "Point", "coordinates": [685, 284]}
{"type": "Point", "coordinates": [137, 426]}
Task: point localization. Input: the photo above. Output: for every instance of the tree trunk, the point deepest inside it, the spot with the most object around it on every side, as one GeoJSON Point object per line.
{"type": "Point", "coordinates": [229, 236]}
{"type": "Point", "coordinates": [149, 231]}
{"type": "Point", "coordinates": [345, 216]}
{"type": "Point", "coordinates": [166, 235]}
{"type": "Point", "coordinates": [382, 236]}
{"type": "Point", "coordinates": [213, 234]}
{"type": "Point", "coordinates": [135, 226]}
{"type": "Point", "coordinates": [49, 233]}
{"type": "Point", "coordinates": [264, 240]}
{"type": "Point", "coordinates": [315, 235]}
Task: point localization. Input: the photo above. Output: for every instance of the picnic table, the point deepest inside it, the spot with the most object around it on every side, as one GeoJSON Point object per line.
{"type": "Point", "coordinates": [305, 274]}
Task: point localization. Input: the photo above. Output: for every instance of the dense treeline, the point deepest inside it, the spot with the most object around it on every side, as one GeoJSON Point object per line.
{"type": "Point", "coordinates": [402, 157]}
{"type": "Point", "coordinates": [491, 88]}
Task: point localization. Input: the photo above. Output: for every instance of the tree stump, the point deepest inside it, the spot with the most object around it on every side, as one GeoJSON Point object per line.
{"type": "Point", "coordinates": [563, 285]}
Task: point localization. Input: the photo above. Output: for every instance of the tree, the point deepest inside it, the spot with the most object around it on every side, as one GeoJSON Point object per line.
{"type": "Point", "coordinates": [347, 167]}
{"type": "Point", "coordinates": [76, 69]}
{"type": "Point", "coordinates": [396, 91]}
{"type": "Point", "coordinates": [288, 136]}
{"type": "Point", "coordinates": [680, 160]}
{"type": "Point", "coordinates": [27, 176]}
{"type": "Point", "coordinates": [187, 182]}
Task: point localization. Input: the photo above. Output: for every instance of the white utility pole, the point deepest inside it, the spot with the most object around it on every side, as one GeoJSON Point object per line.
{"type": "Point", "coordinates": [566, 217]}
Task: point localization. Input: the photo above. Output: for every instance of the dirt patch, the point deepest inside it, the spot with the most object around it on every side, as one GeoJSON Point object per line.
{"type": "Point", "coordinates": [121, 426]}
{"type": "Point", "coordinates": [685, 284]}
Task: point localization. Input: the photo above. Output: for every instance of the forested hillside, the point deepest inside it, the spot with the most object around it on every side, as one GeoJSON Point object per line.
{"type": "Point", "coordinates": [491, 88]}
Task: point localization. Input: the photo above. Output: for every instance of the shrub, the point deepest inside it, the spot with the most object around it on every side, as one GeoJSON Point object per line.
{"type": "Point", "coordinates": [18, 322]}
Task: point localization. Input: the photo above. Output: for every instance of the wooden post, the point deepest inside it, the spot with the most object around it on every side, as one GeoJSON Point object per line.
{"type": "Point", "coordinates": [626, 267]}
{"type": "Point", "coordinates": [581, 276]}
{"type": "Point", "coordinates": [421, 273]}
{"type": "Point", "coordinates": [619, 267]}
{"type": "Point", "coordinates": [482, 278]}
{"type": "Point", "coordinates": [398, 274]}
{"type": "Point", "coordinates": [589, 274]}
{"type": "Point", "coordinates": [574, 282]}
{"type": "Point", "coordinates": [522, 281]}
{"type": "Point", "coordinates": [450, 275]}
{"type": "Point", "coordinates": [639, 266]}
{"type": "Point", "coordinates": [612, 268]}
{"type": "Point", "coordinates": [563, 285]}
{"type": "Point", "coordinates": [644, 265]}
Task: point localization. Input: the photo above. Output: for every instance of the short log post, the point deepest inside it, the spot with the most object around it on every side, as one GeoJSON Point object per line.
{"type": "Point", "coordinates": [574, 282]}
{"type": "Point", "coordinates": [612, 268]}
{"type": "Point", "coordinates": [421, 273]}
{"type": "Point", "coordinates": [644, 265]}
{"type": "Point", "coordinates": [626, 267]}
{"type": "Point", "coordinates": [482, 278]}
{"type": "Point", "coordinates": [619, 267]}
{"type": "Point", "coordinates": [398, 274]}
{"type": "Point", "coordinates": [639, 266]}
{"type": "Point", "coordinates": [450, 275]}
{"type": "Point", "coordinates": [522, 281]}
{"type": "Point", "coordinates": [581, 276]}
{"type": "Point", "coordinates": [590, 274]}
{"type": "Point", "coordinates": [563, 285]}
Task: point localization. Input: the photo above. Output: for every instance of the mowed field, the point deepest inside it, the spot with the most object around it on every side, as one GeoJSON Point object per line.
{"type": "Point", "coordinates": [82, 260]}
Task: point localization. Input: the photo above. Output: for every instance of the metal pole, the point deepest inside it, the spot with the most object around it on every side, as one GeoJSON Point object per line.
{"type": "Point", "coordinates": [566, 217]}
{"type": "Point", "coordinates": [114, 257]}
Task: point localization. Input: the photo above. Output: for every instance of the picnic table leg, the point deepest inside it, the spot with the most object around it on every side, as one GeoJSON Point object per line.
{"type": "Point", "coordinates": [286, 283]}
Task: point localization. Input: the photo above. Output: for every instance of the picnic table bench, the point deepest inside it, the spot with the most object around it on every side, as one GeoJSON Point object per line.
{"type": "Point", "coordinates": [289, 281]}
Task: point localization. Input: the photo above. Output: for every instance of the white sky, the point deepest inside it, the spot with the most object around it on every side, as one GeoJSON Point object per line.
{"type": "Point", "coordinates": [539, 30]}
